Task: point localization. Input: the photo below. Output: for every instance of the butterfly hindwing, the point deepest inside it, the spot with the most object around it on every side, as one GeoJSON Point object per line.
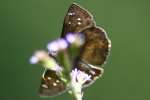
{"type": "Point", "coordinates": [94, 71]}
{"type": "Point", "coordinates": [51, 84]}
{"type": "Point", "coordinates": [93, 53]}
{"type": "Point", "coordinates": [96, 47]}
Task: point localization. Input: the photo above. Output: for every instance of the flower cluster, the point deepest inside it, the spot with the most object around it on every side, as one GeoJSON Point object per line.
{"type": "Point", "coordinates": [78, 78]}
{"type": "Point", "coordinates": [48, 61]}
{"type": "Point", "coordinates": [55, 47]}
{"type": "Point", "coordinates": [76, 39]}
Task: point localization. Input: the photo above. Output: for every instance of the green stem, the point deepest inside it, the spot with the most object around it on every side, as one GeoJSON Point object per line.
{"type": "Point", "coordinates": [76, 89]}
{"type": "Point", "coordinates": [66, 63]}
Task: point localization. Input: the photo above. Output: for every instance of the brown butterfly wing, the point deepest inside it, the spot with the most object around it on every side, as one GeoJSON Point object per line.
{"type": "Point", "coordinates": [51, 84]}
{"type": "Point", "coordinates": [93, 53]}
{"type": "Point", "coordinates": [76, 20]}
{"type": "Point", "coordinates": [94, 71]}
{"type": "Point", "coordinates": [96, 47]}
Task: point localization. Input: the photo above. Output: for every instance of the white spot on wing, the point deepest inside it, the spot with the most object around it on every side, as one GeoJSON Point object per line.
{"type": "Point", "coordinates": [71, 13]}
{"type": "Point", "coordinates": [44, 86]}
{"type": "Point", "coordinates": [54, 84]}
{"type": "Point", "coordinates": [79, 23]}
{"type": "Point", "coordinates": [49, 78]}
{"type": "Point", "coordinates": [69, 22]}
{"type": "Point", "coordinates": [92, 72]}
{"type": "Point", "coordinates": [78, 19]}
{"type": "Point", "coordinates": [57, 81]}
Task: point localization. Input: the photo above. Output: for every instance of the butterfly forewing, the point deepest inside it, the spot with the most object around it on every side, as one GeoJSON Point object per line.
{"type": "Point", "coordinates": [76, 20]}
{"type": "Point", "coordinates": [51, 84]}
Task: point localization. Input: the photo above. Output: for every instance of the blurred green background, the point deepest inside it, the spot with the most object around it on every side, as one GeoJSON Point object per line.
{"type": "Point", "coordinates": [28, 25]}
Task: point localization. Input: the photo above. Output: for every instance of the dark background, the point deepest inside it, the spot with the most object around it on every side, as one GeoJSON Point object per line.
{"type": "Point", "coordinates": [28, 25]}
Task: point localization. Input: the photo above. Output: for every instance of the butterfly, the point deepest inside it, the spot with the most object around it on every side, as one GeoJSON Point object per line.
{"type": "Point", "coordinates": [92, 54]}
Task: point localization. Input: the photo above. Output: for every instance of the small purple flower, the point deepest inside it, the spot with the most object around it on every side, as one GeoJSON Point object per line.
{"type": "Point", "coordinates": [47, 61]}
{"type": "Point", "coordinates": [79, 77]}
{"type": "Point", "coordinates": [34, 60]}
{"type": "Point", "coordinates": [62, 44]}
{"type": "Point", "coordinates": [38, 56]}
{"type": "Point", "coordinates": [53, 46]}
{"type": "Point", "coordinates": [70, 38]}
{"type": "Point", "coordinates": [57, 45]}
{"type": "Point", "coordinates": [75, 38]}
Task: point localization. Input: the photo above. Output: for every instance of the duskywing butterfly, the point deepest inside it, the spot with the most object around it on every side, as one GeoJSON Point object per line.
{"type": "Point", "coordinates": [92, 54]}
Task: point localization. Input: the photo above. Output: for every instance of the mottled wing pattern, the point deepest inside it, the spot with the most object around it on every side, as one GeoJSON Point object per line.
{"type": "Point", "coordinates": [89, 69]}
{"type": "Point", "coordinates": [96, 47]}
{"type": "Point", "coordinates": [76, 20]}
{"type": "Point", "coordinates": [93, 53]}
{"type": "Point", "coordinates": [51, 84]}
